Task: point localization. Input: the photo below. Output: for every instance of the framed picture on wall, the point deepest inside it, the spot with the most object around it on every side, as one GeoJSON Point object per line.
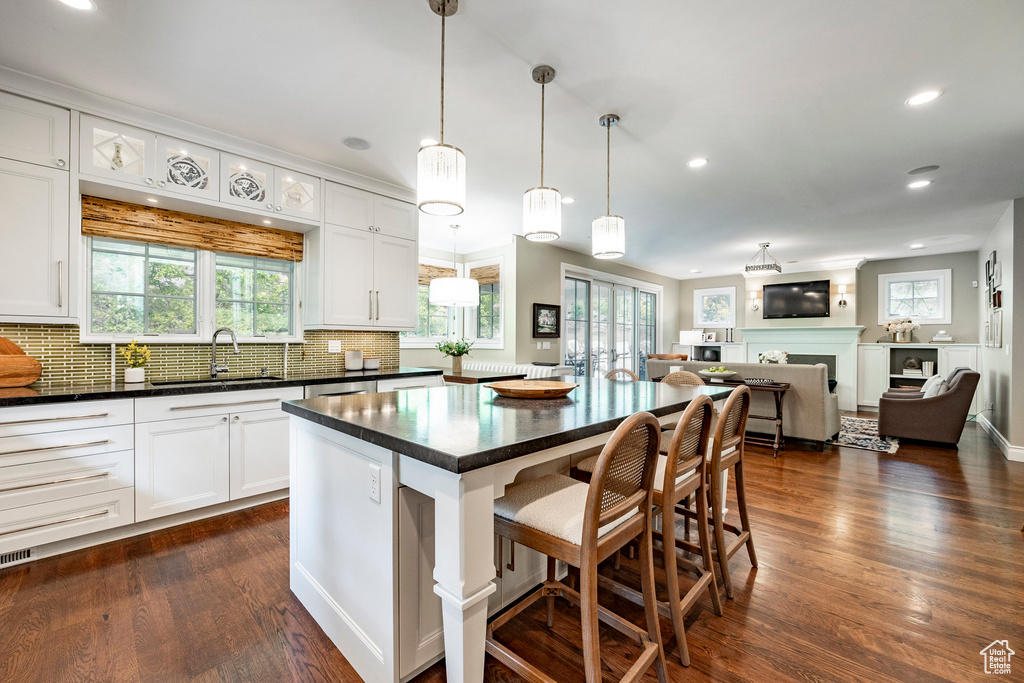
{"type": "Point", "coordinates": [547, 321]}
{"type": "Point", "coordinates": [996, 325]}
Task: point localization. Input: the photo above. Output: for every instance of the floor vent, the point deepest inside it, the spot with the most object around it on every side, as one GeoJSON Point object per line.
{"type": "Point", "coordinates": [16, 556]}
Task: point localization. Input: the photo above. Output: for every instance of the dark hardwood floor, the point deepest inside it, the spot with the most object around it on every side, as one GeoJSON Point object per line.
{"type": "Point", "coordinates": [873, 567]}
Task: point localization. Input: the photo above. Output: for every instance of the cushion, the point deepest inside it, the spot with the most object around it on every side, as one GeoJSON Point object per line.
{"type": "Point", "coordinates": [554, 504]}
{"type": "Point", "coordinates": [931, 382]}
{"type": "Point", "coordinates": [587, 464]}
{"type": "Point", "coordinates": [936, 388]}
{"type": "Point", "coordinates": [943, 388]}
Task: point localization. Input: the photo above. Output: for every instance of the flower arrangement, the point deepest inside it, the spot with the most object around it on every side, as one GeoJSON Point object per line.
{"type": "Point", "coordinates": [135, 356]}
{"type": "Point", "coordinates": [901, 325]}
{"type": "Point", "coordinates": [455, 349]}
{"type": "Point", "coordinates": [773, 356]}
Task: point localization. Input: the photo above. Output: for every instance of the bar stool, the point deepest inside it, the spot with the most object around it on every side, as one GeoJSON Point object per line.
{"type": "Point", "coordinates": [682, 378]}
{"type": "Point", "coordinates": [681, 474]}
{"type": "Point", "coordinates": [622, 375]}
{"type": "Point", "coordinates": [582, 525]}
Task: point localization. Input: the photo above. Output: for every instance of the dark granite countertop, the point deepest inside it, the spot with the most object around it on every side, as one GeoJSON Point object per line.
{"type": "Point", "coordinates": [477, 376]}
{"type": "Point", "coordinates": [463, 428]}
{"type": "Point", "coordinates": [61, 393]}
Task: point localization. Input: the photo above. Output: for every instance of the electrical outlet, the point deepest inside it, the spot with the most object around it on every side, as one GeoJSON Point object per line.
{"type": "Point", "coordinates": [333, 346]}
{"type": "Point", "coordinates": [374, 490]}
{"type": "Point", "coordinates": [547, 345]}
{"type": "Point", "coordinates": [538, 346]}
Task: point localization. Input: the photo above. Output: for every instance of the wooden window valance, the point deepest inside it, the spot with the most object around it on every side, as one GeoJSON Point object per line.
{"type": "Point", "coordinates": [428, 273]}
{"type": "Point", "coordinates": [486, 275]}
{"type": "Point", "coordinates": [124, 221]}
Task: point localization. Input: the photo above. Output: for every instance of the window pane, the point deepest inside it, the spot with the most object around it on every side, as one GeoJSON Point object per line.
{"type": "Point", "coordinates": [715, 308]}
{"type": "Point", "coordinates": [171, 316]}
{"type": "Point", "coordinates": [172, 277]}
{"type": "Point", "coordinates": [925, 288]}
{"type": "Point", "coordinates": [901, 290]}
{"type": "Point", "coordinates": [118, 272]}
{"type": "Point", "coordinates": [273, 286]}
{"type": "Point", "coordinates": [273, 319]}
{"type": "Point", "coordinates": [117, 314]}
{"type": "Point", "coordinates": [237, 316]}
{"type": "Point", "coordinates": [234, 280]}
{"type": "Point", "coordinates": [438, 326]}
{"type": "Point", "coordinates": [926, 307]}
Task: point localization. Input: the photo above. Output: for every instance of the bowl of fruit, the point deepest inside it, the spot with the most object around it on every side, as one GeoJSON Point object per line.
{"type": "Point", "coordinates": [716, 374]}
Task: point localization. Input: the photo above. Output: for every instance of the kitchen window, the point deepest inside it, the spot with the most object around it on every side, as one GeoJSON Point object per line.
{"type": "Point", "coordinates": [922, 296]}
{"type": "Point", "coordinates": [254, 295]}
{"type": "Point", "coordinates": [482, 324]}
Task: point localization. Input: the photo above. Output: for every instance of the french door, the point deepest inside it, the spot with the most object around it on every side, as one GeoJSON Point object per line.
{"type": "Point", "coordinates": [607, 326]}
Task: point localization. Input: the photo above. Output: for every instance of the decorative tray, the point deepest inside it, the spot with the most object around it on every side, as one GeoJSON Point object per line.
{"type": "Point", "coordinates": [758, 381]}
{"type": "Point", "coordinates": [531, 388]}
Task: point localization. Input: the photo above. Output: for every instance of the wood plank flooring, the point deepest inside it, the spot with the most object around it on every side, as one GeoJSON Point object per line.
{"type": "Point", "coordinates": [873, 567]}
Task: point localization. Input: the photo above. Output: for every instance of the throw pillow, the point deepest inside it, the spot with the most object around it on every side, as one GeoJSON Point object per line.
{"type": "Point", "coordinates": [931, 386]}
{"type": "Point", "coordinates": [943, 388]}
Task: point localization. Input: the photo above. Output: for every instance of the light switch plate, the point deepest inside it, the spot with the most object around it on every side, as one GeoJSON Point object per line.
{"type": "Point", "coordinates": [538, 346]}
{"type": "Point", "coordinates": [547, 345]}
{"type": "Point", "coordinates": [334, 346]}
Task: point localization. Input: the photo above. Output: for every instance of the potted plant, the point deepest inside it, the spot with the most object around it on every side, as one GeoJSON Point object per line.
{"type": "Point", "coordinates": [455, 349]}
{"type": "Point", "coordinates": [901, 329]}
{"type": "Point", "coordinates": [774, 356]}
{"type": "Point", "coordinates": [135, 357]}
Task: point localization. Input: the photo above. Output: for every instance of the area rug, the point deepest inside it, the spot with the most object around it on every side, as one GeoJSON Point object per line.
{"type": "Point", "coordinates": [858, 432]}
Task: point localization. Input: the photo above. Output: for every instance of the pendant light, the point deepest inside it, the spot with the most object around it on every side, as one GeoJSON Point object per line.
{"type": "Point", "coordinates": [608, 233]}
{"type": "Point", "coordinates": [441, 168]}
{"type": "Point", "coordinates": [763, 260]}
{"type": "Point", "coordinates": [454, 291]}
{"type": "Point", "coordinates": [542, 206]}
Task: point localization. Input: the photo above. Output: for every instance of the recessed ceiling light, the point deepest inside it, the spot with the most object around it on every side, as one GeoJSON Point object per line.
{"type": "Point", "coordinates": [428, 142]}
{"type": "Point", "coordinates": [924, 97]}
{"type": "Point", "coordinates": [697, 163]}
{"type": "Point", "coordinates": [267, 222]}
{"type": "Point", "coordinates": [918, 184]}
{"type": "Point", "coordinates": [357, 143]}
{"type": "Point", "coordinates": [152, 200]}
{"type": "Point", "coordinates": [917, 246]}
{"type": "Point", "coordinates": [568, 200]}
{"type": "Point", "coordinates": [696, 271]}
{"type": "Point", "coordinates": [84, 5]}
{"type": "Point", "coordinates": [923, 169]}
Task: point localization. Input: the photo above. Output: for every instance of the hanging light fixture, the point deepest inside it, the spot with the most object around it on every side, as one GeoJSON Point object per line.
{"type": "Point", "coordinates": [454, 291]}
{"type": "Point", "coordinates": [441, 168]}
{"type": "Point", "coordinates": [763, 261]}
{"type": "Point", "coordinates": [608, 233]}
{"type": "Point", "coordinates": [542, 206]}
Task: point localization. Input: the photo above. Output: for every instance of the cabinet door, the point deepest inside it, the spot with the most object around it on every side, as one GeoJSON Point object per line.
{"type": "Point", "coordinates": [114, 150]}
{"type": "Point", "coordinates": [953, 357]}
{"type": "Point", "coordinates": [34, 132]}
{"type": "Point", "coordinates": [872, 373]}
{"type": "Point", "coordinates": [296, 194]}
{"type": "Point", "coordinates": [395, 218]}
{"type": "Point", "coordinates": [33, 240]}
{"type": "Point", "coordinates": [246, 183]}
{"type": "Point", "coordinates": [348, 206]}
{"type": "Point", "coordinates": [259, 452]}
{"type": "Point", "coordinates": [348, 276]}
{"type": "Point", "coordinates": [395, 268]}
{"type": "Point", "coordinates": [187, 168]}
{"type": "Point", "coordinates": [732, 353]}
{"type": "Point", "coordinates": [180, 465]}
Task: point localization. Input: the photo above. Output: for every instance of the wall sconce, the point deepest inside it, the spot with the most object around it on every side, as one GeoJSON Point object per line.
{"type": "Point", "coordinates": [842, 296]}
{"type": "Point", "coordinates": [753, 301]}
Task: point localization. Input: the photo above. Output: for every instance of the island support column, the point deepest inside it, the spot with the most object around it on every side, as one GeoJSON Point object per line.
{"type": "Point", "coordinates": [464, 559]}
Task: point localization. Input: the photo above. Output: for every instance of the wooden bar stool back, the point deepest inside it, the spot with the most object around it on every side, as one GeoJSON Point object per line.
{"type": "Point", "coordinates": [682, 378]}
{"type": "Point", "coordinates": [622, 375]}
{"type": "Point", "coordinates": [582, 525]}
{"type": "Point", "coordinates": [727, 451]}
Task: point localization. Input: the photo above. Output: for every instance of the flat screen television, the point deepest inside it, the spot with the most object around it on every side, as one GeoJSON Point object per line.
{"type": "Point", "coordinates": [797, 300]}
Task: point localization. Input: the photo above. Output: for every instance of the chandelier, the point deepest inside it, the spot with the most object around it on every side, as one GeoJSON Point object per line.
{"type": "Point", "coordinates": [763, 261]}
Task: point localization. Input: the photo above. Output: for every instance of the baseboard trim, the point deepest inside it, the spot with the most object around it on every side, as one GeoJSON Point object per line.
{"type": "Point", "coordinates": [1011, 452]}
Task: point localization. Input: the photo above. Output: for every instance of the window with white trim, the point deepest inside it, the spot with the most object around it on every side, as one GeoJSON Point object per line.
{"type": "Point", "coordinates": [715, 307]}
{"type": "Point", "coordinates": [254, 295]}
{"type": "Point", "coordinates": [923, 296]}
{"type": "Point", "coordinates": [434, 323]}
{"type": "Point", "coordinates": [484, 324]}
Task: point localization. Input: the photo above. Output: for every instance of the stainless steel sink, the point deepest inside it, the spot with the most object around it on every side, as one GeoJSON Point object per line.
{"type": "Point", "coordinates": [219, 380]}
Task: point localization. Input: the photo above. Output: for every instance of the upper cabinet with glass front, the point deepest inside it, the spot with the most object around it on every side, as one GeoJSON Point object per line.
{"type": "Point", "coordinates": [187, 168]}
{"type": "Point", "coordinates": [263, 187]}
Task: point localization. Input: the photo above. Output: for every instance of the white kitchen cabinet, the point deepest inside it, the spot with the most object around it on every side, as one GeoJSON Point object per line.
{"type": "Point", "coordinates": [34, 238]}
{"type": "Point", "coordinates": [180, 465]}
{"type": "Point", "coordinates": [422, 382]}
{"type": "Point", "coordinates": [259, 452]}
{"type": "Point", "coordinates": [34, 132]}
{"type": "Point", "coordinates": [872, 373]}
{"type": "Point", "coordinates": [347, 276]}
{"type": "Point", "coordinates": [955, 356]}
{"type": "Point", "coordinates": [117, 151]}
{"type": "Point", "coordinates": [35, 525]}
{"type": "Point", "coordinates": [187, 168]}
{"type": "Point", "coordinates": [266, 188]}
{"type": "Point", "coordinates": [395, 278]}
{"type": "Point", "coordinates": [363, 210]}
{"type": "Point", "coordinates": [296, 194]}
{"type": "Point", "coordinates": [733, 353]}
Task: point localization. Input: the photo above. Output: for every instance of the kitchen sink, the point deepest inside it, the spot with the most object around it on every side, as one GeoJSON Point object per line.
{"type": "Point", "coordinates": [218, 380]}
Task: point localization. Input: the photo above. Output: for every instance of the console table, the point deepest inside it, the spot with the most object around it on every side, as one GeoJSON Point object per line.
{"type": "Point", "coordinates": [779, 390]}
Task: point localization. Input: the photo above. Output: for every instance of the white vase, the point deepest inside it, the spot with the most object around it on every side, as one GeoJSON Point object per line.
{"type": "Point", "coordinates": [134, 375]}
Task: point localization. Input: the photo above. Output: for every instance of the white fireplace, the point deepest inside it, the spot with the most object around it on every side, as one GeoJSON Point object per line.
{"type": "Point", "coordinates": [840, 342]}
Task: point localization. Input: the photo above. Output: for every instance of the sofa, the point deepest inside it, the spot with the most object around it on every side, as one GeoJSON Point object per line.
{"type": "Point", "coordinates": [809, 410]}
{"type": "Point", "coordinates": [531, 371]}
{"type": "Point", "coordinates": [907, 413]}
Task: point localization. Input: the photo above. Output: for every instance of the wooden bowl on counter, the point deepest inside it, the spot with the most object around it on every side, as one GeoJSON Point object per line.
{"type": "Point", "coordinates": [17, 369]}
{"type": "Point", "coordinates": [531, 388]}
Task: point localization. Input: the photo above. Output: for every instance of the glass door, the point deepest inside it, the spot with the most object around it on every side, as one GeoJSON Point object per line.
{"type": "Point", "coordinates": [646, 330]}
{"type": "Point", "coordinates": [577, 320]}
{"type": "Point", "coordinates": [601, 346]}
{"type": "Point", "coordinates": [624, 349]}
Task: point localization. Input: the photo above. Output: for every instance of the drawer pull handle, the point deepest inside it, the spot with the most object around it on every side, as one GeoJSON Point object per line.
{"type": "Point", "coordinates": [226, 405]}
{"type": "Point", "coordinates": [61, 521]}
{"type": "Point", "coordinates": [57, 448]}
{"type": "Point", "coordinates": [69, 480]}
{"type": "Point", "coordinates": [54, 419]}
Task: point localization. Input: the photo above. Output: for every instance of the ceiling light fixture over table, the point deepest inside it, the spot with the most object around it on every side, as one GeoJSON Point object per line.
{"type": "Point", "coordinates": [441, 168]}
{"type": "Point", "coordinates": [763, 261]}
{"type": "Point", "coordinates": [608, 233]}
{"type": "Point", "coordinates": [454, 291]}
{"type": "Point", "coordinates": [542, 206]}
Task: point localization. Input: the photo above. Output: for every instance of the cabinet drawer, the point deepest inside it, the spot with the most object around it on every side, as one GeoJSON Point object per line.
{"type": "Point", "coordinates": [65, 416]}
{"type": "Point", "coordinates": [31, 448]}
{"type": "Point", "coordinates": [202, 405]}
{"type": "Point", "coordinates": [54, 480]}
{"type": "Point", "coordinates": [410, 383]}
{"type": "Point", "coordinates": [33, 525]}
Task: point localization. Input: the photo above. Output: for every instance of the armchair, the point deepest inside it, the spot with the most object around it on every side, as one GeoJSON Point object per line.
{"type": "Point", "coordinates": [941, 418]}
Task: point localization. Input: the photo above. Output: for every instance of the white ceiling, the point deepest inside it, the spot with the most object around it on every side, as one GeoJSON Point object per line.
{"type": "Point", "coordinates": [797, 103]}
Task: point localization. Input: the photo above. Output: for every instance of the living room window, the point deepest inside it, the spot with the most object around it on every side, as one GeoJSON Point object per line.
{"type": "Point", "coordinates": [714, 307]}
{"type": "Point", "coordinates": [922, 296]}
{"type": "Point", "coordinates": [484, 324]}
{"type": "Point", "coordinates": [434, 323]}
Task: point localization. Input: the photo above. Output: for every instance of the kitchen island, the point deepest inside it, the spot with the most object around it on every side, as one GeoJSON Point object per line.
{"type": "Point", "coordinates": [392, 534]}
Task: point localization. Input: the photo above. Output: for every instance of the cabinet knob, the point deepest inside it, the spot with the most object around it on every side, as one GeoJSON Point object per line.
{"type": "Point", "coordinates": [278, 208]}
{"type": "Point", "coordinates": [234, 419]}
{"type": "Point", "coordinates": [162, 183]}
{"type": "Point", "coordinates": [61, 163]}
{"type": "Point", "coordinates": [270, 206]}
{"type": "Point", "coordinates": [149, 181]}
{"type": "Point", "coordinates": [370, 228]}
{"type": "Point", "coordinates": [223, 420]}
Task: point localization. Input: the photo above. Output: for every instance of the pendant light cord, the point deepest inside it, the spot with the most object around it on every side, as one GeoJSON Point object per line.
{"type": "Point", "coordinates": [542, 86]}
{"type": "Point", "coordinates": [608, 176]}
{"type": "Point", "coordinates": [444, 11]}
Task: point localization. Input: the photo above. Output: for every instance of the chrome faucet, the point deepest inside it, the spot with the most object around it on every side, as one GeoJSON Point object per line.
{"type": "Point", "coordinates": [214, 367]}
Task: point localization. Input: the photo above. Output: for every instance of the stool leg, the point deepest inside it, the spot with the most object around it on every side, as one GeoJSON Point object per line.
{"type": "Point", "coordinates": [741, 503]}
{"type": "Point", "coordinates": [589, 614]}
{"type": "Point", "coordinates": [704, 536]}
{"type": "Point", "coordinates": [651, 597]}
{"type": "Point", "coordinates": [717, 496]}
{"type": "Point", "coordinates": [686, 520]}
{"type": "Point", "coordinates": [668, 530]}
{"type": "Point", "coordinates": [551, 598]}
